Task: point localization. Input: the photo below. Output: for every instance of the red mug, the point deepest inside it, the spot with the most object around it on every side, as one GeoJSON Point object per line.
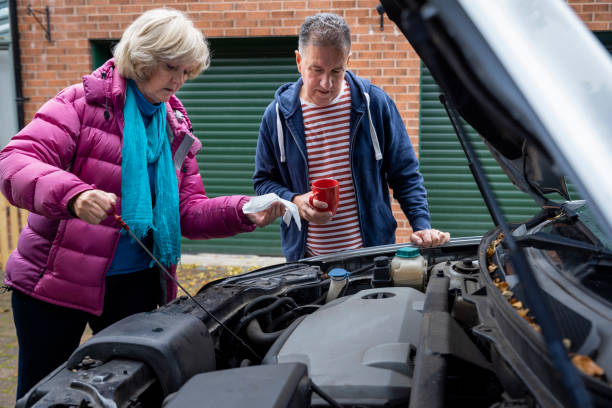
{"type": "Point", "coordinates": [326, 190]}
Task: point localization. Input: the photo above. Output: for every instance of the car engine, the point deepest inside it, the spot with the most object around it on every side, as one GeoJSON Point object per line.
{"type": "Point", "coordinates": [341, 330]}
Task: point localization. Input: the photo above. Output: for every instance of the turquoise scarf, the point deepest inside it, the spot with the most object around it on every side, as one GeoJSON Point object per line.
{"type": "Point", "coordinates": [143, 146]}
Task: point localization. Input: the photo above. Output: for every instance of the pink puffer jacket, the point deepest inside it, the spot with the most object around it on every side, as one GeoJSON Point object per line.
{"type": "Point", "coordinates": [74, 144]}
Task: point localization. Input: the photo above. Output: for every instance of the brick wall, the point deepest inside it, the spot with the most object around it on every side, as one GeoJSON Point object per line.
{"type": "Point", "coordinates": [384, 57]}
{"type": "Point", "coordinates": [596, 14]}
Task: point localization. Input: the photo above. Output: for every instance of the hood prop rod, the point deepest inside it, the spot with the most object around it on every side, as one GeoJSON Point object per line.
{"type": "Point", "coordinates": [574, 385]}
{"type": "Point", "coordinates": [473, 163]}
{"type": "Point", "coordinates": [124, 225]}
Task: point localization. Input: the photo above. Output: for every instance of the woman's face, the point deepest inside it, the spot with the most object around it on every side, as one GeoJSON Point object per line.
{"type": "Point", "coordinates": [165, 81]}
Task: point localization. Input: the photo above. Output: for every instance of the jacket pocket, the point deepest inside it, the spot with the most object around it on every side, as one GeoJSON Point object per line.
{"type": "Point", "coordinates": [56, 244]}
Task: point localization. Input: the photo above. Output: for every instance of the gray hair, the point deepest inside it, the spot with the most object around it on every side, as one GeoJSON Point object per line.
{"type": "Point", "coordinates": [324, 30]}
{"type": "Point", "coordinates": [160, 35]}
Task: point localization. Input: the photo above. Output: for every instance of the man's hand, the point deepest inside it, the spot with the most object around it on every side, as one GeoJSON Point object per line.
{"type": "Point", "coordinates": [310, 213]}
{"type": "Point", "coordinates": [92, 206]}
{"type": "Point", "coordinates": [263, 218]}
{"type": "Point", "coordinates": [429, 238]}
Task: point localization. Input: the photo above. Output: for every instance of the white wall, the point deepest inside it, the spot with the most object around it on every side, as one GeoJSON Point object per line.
{"type": "Point", "coordinates": [8, 108]}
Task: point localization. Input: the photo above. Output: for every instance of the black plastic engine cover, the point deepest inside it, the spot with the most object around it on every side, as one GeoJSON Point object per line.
{"type": "Point", "coordinates": [175, 346]}
{"type": "Point", "coordinates": [278, 386]}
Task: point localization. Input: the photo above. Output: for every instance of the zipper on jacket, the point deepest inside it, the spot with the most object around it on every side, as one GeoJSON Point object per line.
{"type": "Point", "coordinates": [301, 152]}
{"type": "Point", "coordinates": [303, 155]}
{"type": "Point", "coordinates": [351, 147]}
{"type": "Point", "coordinates": [305, 234]}
{"type": "Point", "coordinates": [44, 269]}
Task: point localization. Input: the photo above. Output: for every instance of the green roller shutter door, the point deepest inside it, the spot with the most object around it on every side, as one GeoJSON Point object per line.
{"type": "Point", "coordinates": [455, 202]}
{"type": "Point", "coordinates": [225, 105]}
{"type": "Point", "coordinates": [606, 38]}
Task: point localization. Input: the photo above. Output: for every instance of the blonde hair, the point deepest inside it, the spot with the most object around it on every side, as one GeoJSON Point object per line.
{"type": "Point", "coordinates": [160, 35]}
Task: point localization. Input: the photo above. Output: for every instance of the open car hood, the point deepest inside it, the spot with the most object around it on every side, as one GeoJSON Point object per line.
{"type": "Point", "coordinates": [531, 79]}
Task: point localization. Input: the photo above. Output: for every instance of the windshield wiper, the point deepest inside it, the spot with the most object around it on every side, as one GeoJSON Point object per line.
{"type": "Point", "coordinates": [544, 240]}
{"type": "Point", "coordinates": [594, 265]}
{"type": "Point", "coordinates": [534, 294]}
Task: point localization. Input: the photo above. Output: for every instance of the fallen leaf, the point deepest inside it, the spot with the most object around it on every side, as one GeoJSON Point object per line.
{"type": "Point", "coordinates": [502, 286]}
{"type": "Point", "coordinates": [523, 312]}
{"type": "Point", "coordinates": [587, 365]}
{"type": "Point", "coordinates": [567, 343]}
{"type": "Point", "coordinates": [517, 304]}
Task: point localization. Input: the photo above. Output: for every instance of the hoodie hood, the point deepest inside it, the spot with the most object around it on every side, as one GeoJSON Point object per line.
{"type": "Point", "coordinates": [106, 87]}
{"type": "Point", "coordinates": [287, 101]}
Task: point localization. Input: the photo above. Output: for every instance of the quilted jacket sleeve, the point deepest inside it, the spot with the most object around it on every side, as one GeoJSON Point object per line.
{"type": "Point", "coordinates": [35, 165]}
{"type": "Point", "coordinates": [400, 161]}
{"type": "Point", "coordinates": [203, 217]}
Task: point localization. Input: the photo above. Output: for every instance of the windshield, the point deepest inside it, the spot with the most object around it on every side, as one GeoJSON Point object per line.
{"type": "Point", "coordinates": [592, 267]}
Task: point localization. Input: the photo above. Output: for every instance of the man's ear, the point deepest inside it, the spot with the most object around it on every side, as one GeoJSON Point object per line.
{"type": "Point", "coordinates": [298, 61]}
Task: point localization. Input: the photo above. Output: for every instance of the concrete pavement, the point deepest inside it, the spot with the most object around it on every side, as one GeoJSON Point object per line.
{"type": "Point", "coordinates": [230, 260]}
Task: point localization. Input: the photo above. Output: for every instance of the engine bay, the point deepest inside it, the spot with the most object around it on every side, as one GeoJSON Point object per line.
{"type": "Point", "coordinates": [351, 330]}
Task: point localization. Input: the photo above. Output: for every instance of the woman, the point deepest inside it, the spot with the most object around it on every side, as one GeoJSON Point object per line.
{"type": "Point", "coordinates": [121, 142]}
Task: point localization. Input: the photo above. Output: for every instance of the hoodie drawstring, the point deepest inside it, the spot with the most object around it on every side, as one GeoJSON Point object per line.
{"type": "Point", "coordinates": [373, 134]}
{"type": "Point", "coordinates": [279, 133]}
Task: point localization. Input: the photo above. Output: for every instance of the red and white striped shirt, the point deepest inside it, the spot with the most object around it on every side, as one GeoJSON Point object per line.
{"type": "Point", "coordinates": [327, 131]}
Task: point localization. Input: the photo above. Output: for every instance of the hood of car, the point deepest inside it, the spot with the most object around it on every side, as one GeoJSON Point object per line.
{"type": "Point", "coordinates": [531, 79]}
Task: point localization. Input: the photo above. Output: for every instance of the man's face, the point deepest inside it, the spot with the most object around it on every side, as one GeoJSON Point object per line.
{"type": "Point", "coordinates": [322, 70]}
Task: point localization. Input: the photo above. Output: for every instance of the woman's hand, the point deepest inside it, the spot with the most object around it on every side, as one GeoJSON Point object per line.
{"type": "Point", "coordinates": [263, 218]}
{"type": "Point", "coordinates": [310, 213]}
{"type": "Point", "coordinates": [92, 206]}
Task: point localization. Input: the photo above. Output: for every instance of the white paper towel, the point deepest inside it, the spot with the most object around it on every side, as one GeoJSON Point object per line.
{"type": "Point", "coordinates": [260, 203]}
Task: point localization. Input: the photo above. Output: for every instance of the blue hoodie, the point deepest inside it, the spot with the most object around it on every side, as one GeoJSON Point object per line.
{"type": "Point", "coordinates": [381, 157]}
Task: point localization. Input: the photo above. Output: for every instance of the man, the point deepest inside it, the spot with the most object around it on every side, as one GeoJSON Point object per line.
{"type": "Point", "coordinates": [333, 124]}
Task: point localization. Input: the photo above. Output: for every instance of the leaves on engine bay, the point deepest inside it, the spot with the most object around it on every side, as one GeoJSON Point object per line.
{"type": "Point", "coordinates": [493, 246]}
{"type": "Point", "coordinates": [582, 362]}
{"type": "Point", "coordinates": [587, 366]}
